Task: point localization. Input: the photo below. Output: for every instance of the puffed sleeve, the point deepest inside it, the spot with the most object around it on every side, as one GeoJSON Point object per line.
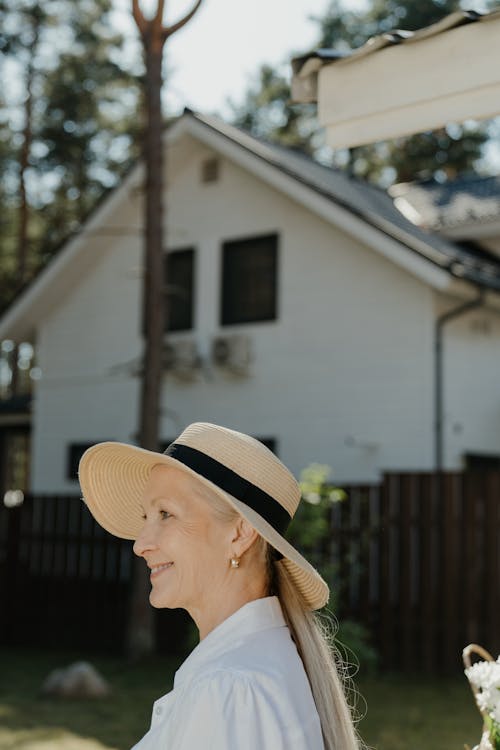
{"type": "Point", "coordinates": [229, 709]}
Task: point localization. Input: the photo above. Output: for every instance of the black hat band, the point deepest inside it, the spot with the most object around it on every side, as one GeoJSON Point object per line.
{"type": "Point", "coordinates": [232, 483]}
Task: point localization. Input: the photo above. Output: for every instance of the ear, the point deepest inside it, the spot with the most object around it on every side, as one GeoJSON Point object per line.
{"type": "Point", "coordinates": [243, 536]}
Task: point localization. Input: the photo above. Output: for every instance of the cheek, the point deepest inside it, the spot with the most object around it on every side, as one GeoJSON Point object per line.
{"type": "Point", "coordinates": [216, 549]}
{"type": "Point", "coordinates": [207, 551]}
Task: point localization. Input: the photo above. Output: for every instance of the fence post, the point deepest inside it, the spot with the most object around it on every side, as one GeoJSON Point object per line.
{"type": "Point", "coordinates": [385, 602]}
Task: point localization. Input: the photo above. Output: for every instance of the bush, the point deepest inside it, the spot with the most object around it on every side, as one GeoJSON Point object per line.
{"type": "Point", "coordinates": [310, 532]}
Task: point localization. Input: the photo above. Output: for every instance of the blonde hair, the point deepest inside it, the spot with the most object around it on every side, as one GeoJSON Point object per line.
{"type": "Point", "coordinates": [326, 670]}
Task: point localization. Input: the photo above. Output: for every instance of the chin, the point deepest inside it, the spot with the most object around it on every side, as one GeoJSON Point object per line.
{"type": "Point", "coordinates": [161, 602]}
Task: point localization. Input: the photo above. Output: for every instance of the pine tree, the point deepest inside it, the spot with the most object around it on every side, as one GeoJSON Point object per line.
{"type": "Point", "coordinates": [71, 111]}
{"type": "Point", "coordinates": [266, 113]}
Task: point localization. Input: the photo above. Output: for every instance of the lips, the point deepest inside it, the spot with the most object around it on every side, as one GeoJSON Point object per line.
{"type": "Point", "coordinates": [157, 569]}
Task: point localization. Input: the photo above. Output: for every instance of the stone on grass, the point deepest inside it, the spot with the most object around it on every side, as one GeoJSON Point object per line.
{"type": "Point", "coordinates": [79, 680]}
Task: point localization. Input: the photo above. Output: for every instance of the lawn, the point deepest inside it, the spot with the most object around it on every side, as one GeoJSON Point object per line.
{"type": "Point", "coordinates": [402, 713]}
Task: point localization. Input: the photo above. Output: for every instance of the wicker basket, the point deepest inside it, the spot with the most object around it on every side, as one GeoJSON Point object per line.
{"type": "Point", "coordinates": [473, 648]}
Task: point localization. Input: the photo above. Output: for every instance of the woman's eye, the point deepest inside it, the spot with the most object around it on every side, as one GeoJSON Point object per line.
{"type": "Point", "coordinates": [164, 514]}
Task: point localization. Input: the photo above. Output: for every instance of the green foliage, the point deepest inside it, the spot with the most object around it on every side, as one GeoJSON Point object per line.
{"type": "Point", "coordinates": [493, 728]}
{"type": "Point", "coordinates": [266, 112]}
{"type": "Point", "coordinates": [310, 532]}
{"type": "Point", "coordinates": [81, 131]}
{"type": "Point", "coordinates": [353, 642]}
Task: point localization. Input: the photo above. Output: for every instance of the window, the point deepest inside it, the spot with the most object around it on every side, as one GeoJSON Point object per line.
{"type": "Point", "coordinates": [482, 462]}
{"type": "Point", "coordinates": [179, 273]}
{"type": "Point", "coordinates": [210, 170]}
{"type": "Point", "coordinates": [249, 280]}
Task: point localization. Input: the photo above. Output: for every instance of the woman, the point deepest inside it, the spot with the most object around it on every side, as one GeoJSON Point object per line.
{"type": "Point", "coordinates": [209, 516]}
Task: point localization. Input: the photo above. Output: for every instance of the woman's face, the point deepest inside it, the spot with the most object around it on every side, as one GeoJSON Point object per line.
{"type": "Point", "coordinates": [187, 549]}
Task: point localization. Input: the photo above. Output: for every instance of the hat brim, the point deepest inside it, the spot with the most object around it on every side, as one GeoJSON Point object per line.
{"type": "Point", "coordinates": [113, 476]}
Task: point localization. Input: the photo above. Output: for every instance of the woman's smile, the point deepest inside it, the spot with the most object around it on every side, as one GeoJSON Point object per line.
{"type": "Point", "coordinates": [157, 569]}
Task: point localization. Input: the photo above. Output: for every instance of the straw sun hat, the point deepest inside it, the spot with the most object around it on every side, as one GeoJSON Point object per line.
{"type": "Point", "coordinates": [240, 469]}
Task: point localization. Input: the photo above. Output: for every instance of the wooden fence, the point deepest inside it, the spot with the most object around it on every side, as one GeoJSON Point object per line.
{"type": "Point", "coordinates": [65, 582]}
{"type": "Point", "coordinates": [419, 564]}
{"type": "Point", "coordinates": [417, 561]}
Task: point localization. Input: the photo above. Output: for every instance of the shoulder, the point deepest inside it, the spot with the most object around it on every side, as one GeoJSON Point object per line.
{"type": "Point", "coordinates": [227, 693]}
{"type": "Point", "coordinates": [244, 708]}
{"type": "Point", "coordinates": [269, 666]}
{"type": "Point", "coordinates": [234, 681]}
{"type": "Point", "coordinates": [234, 708]}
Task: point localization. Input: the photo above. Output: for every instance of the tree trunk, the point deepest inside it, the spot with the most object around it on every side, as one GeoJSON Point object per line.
{"type": "Point", "coordinates": [140, 635]}
{"type": "Point", "coordinates": [141, 638]}
{"type": "Point", "coordinates": [22, 236]}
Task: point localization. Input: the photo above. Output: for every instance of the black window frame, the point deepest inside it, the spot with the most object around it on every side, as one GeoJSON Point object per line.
{"type": "Point", "coordinates": [74, 452]}
{"type": "Point", "coordinates": [228, 316]}
{"type": "Point", "coordinates": [478, 461]}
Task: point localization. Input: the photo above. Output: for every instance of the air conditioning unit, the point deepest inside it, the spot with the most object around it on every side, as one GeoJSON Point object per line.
{"type": "Point", "coordinates": [233, 353]}
{"type": "Point", "coordinates": [181, 358]}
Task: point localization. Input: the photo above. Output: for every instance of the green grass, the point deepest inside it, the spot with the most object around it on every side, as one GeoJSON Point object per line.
{"type": "Point", "coordinates": [402, 713]}
{"type": "Point", "coordinates": [419, 713]}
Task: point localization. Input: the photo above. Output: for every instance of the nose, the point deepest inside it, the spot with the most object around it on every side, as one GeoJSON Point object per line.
{"type": "Point", "coordinates": [144, 542]}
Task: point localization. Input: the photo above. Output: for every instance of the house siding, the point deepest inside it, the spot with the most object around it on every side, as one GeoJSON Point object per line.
{"type": "Point", "coordinates": [471, 363]}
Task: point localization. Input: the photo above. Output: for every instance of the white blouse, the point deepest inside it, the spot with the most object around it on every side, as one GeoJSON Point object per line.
{"type": "Point", "coordinates": [243, 687]}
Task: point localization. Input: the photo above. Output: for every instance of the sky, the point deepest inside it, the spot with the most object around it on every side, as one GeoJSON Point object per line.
{"type": "Point", "coordinates": [218, 53]}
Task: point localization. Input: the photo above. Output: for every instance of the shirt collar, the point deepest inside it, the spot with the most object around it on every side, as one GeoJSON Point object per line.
{"type": "Point", "coordinates": [253, 617]}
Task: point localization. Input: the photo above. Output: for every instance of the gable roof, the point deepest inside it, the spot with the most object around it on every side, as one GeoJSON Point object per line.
{"type": "Point", "coordinates": [449, 205]}
{"type": "Point", "coordinates": [372, 205]}
{"type": "Point", "coordinates": [362, 210]}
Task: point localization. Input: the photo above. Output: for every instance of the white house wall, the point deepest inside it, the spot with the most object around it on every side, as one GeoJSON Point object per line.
{"type": "Point", "coordinates": [343, 377]}
{"type": "Point", "coordinates": [471, 364]}
{"type": "Point", "coordinates": [83, 348]}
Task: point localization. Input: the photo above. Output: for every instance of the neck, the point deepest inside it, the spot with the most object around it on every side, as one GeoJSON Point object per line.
{"type": "Point", "coordinates": [208, 619]}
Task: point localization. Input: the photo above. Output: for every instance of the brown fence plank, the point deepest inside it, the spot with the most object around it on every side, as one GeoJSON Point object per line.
{"type": "Point", "coordinates": [405, 486]}
{"type": "Point", "coordinates": [385, 604]}
{"type": "Point", "coordinates": [427, 598]}
{"type": "Point", "coordinates": [470, 602]}
{"type": "Point", "coordinates": [450, 613]}
{"type": "Point", "coordinates": [363, 533]}
{"type": "Point", "coordinates": [491, 541]}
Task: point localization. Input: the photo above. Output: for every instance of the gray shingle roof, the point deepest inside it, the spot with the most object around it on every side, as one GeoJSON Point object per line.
{"type": "Point", "coordinates": [442, 206]}
{"type": "Point", "coordinates": [373, 205]}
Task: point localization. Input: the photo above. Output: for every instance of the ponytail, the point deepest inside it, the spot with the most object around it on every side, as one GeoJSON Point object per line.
{"type": "Point", "coordinates": [321, 660]}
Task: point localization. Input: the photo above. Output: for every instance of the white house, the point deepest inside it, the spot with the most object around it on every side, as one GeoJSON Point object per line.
{"type": "Point", "coordinates": [305, 307]}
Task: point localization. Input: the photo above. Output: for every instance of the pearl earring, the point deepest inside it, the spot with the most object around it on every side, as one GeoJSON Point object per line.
{"type": "Point", "coordinates": [235, 563]}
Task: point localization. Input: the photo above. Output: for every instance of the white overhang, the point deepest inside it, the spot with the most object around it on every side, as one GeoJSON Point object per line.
{"type": "Point", "coordinates": [444, 73]}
